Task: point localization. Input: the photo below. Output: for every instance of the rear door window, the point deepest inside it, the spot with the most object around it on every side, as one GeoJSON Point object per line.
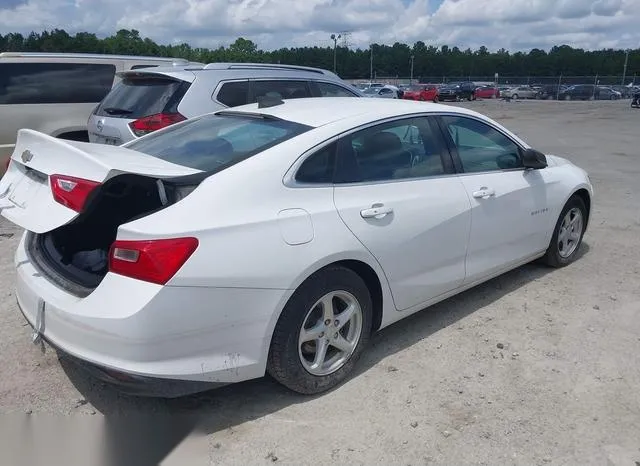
{"type": "Point", "coordinates": [233, 94]}
{"type": "Point", "coordinates": [137, 97]}
{"type": "Point", "coordinates": [331, 90]}
{"type": "Point", "coordinates": [280, 89]}
{"type": "Point", "coordinates": [54, 83]}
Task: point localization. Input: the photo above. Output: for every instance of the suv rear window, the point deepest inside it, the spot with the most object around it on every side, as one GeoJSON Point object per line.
{"type": "Point", "coordinates": [214, 142]}
{"type": "Point", "coordinates": [137, 97]}
{"type": "Point", "coordinates": [54, 83]}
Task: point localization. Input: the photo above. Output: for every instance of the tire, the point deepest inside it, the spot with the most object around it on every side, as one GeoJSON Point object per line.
{"type": "Point", "coordinates": [458, 99]}
{"type": "Point", "coordinates": [514, 96]}
{"type": "Point", "coordinates": [554, 257]}
{"type": "Point", "coordinates": [567, 97]}
{"type": "Point", "coordinates": [436, 100]}
{"type": "Point", "coordinates": [287, 352]}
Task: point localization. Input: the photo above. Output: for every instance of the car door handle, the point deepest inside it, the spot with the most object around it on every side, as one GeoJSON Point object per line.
{"type": "Point", "coordinates": [376, 211]}
{"type": "Point", "coordinates": [484, 193]}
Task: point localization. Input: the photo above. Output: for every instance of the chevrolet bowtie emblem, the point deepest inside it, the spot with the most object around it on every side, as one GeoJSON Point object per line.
{"type": "Point", "coordinates": [26, 156]}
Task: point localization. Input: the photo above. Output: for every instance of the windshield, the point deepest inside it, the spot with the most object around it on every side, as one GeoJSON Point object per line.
{"type": "Point", "coordinates": [371, 90]}
{"type": "Point", "coordinates": [212, 142]}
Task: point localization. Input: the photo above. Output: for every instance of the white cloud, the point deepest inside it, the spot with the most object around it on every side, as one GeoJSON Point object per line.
{"type": "Point", "coordinates": [512, 24]}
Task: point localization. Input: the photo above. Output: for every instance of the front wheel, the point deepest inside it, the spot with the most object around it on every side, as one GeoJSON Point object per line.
{"type": "Point", "coordinates": [568, 233]}
{"type": "Point", "coordinates": [514, 96]}
{"type": "Point", "coordinates": [322, 331]}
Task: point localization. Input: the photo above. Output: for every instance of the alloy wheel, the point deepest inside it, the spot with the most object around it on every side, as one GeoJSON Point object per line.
{"type": "Point", "coordinates": [570, 232]}
{"type": "Point", "coordinates": [330, 333]}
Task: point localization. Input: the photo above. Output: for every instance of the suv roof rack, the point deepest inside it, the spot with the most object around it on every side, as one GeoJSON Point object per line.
{"type": "Point", "coordinates": [92, 55]}
{"type": "Point", "coordinates": [263, 66]}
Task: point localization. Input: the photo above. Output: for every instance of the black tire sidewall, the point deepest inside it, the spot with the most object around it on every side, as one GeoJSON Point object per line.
{"type": "Point", "coordinates": [552, 256]}
{"type": "Point", "coordinates": [284, 363]}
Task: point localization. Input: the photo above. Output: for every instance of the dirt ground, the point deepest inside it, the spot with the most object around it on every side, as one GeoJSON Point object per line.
{"type": "Point", "coordinates": [536, 367]}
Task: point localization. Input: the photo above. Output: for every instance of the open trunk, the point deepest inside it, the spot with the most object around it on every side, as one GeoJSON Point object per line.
{"type": "Point", "coordinates": [75, 255]}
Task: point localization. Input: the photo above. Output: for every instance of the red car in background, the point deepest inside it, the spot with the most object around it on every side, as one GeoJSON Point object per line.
{"type": "Point", "coordinates": [487, 92]}
{"type": "Point", "coordinates": [423, 92]}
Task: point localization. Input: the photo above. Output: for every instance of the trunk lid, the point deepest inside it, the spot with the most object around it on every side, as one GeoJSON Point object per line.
{"type": "Point", "coordinates": [26, 196]}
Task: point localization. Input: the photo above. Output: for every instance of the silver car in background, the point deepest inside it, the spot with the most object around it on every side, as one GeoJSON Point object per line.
{"type": "Point", "coordinates": [384, 92]}
{"type": "Point", "coordinates": [520, 92]}
{"type": "Point", "coordinates": [150, 99]}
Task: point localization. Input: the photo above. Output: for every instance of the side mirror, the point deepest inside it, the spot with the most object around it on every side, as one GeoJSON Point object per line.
{"type": "Point", "coordinates": [534, 159]}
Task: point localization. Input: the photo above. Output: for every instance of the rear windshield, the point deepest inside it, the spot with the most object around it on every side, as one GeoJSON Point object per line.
{"type": "Point", "coordinates": [136, 97]}
{"type": "Point", "coordinates": [213, 142]}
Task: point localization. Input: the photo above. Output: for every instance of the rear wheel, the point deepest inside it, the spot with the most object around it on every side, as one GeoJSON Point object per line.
{"type": "Point", "coordinates": [568, 233]}
{"type": "Point", "coordinates": [322, 332]}
{"type": "Point", "coordinates": [435, 100]}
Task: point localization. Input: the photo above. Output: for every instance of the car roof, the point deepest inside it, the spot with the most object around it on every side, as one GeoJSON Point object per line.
{"type": "Point", "coordinates": [319, 111]}
{"type": "Point", "coordinates": [240, 69]}
{"type": "Point", "coordinates": [92, 56]}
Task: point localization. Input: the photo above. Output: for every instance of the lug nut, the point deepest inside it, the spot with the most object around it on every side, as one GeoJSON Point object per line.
{"type": "Point", "coordinates": [322, 335]}
{"type": "Point", "coordinates": [336, 323]}
{"type": "Point", "coordinates": [327, 322]}
{"type": "Point", "coordinates": [335, 336]}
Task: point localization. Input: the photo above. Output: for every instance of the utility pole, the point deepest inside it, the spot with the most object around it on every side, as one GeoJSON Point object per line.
{"type": "Point", "coordinates": [411, 77]}
{"type": "Point", "coordinates": [624, 71]}
{"type": "Point", "coordinates": [371, 64]}
{"type": "Point", "coordinates": [335, 49]}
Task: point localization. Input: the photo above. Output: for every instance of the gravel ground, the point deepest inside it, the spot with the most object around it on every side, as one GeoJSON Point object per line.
{"type": "Point", "coordinates": [538, 366]}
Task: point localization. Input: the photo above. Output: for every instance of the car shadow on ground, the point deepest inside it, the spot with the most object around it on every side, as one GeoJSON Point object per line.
{"type": "Point", "coordinates": [155, 426]}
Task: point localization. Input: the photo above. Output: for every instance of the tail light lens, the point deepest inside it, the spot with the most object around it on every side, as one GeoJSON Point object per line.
{"type": "Point", "coordinates": [155, 122]}
{"type": "Point", "coordinates": [154, 261]}
{"type": "Point", "coordinates": [71, 192]}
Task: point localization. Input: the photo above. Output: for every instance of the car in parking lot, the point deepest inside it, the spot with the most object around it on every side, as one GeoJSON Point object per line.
{"type": "Point", "coordinates": [579, 92]}
{"type": "Point", "coordinates": [487, 92]}
{"type": "Point", "coordinates": [147, 100]}
{"type": "Point", "coordinates": [385, 92]}
{"type": "Point", "coordinates": [422, 92]}
{"type": "Point", "coordinates": [550, 91]}
{"type": "Point", "coordinates": [457, 91]}
{"type": "Point", "coordinates": [274, 237]}
{"type": "Point", "coordinates": [607, 93]}
{"type": "Point", "coordinates": [55, 92]}
{"type": "Point", "coordinates": [520, 92]}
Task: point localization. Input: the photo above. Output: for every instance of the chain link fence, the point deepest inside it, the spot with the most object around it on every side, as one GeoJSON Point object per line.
{"type": "Point", "coordinates": [509, 80]}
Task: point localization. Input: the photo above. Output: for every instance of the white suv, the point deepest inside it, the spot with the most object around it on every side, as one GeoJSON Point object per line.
{"type": "Point", "coordinates": [55, 92]}
{"type": "Point", "coordinates": [151, 99]}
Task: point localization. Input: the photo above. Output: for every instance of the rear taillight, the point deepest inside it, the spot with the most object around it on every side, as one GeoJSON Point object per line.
{"type": "Point", "coordinates": [155, 122]}
{"type": "Point", "coordinates": [154, 261]}
{"type": "Point", "coordinates": [71, 192]}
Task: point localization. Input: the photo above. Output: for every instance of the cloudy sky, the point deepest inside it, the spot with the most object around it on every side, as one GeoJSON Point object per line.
{"type": "Point", "coordinates": [512, 24]}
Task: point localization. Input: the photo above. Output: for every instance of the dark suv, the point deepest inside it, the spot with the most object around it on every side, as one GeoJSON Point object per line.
{"type": "Point", "coordinates": [579, 92]}
{"type": "Point", "coordinates": [458, 91]}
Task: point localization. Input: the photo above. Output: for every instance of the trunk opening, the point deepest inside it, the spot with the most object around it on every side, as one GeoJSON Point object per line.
{"type": "Point", "coordinates": [75, 256]}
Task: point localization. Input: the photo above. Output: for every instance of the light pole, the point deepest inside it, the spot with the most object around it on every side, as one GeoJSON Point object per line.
{"type": "Point", "coordinates": [335, 48]}
{"type": "Point", "coordinates": [371, 64]}
{"type": "Point", "coordinates": [624, 71]}
{"type": "Point", "coordinates": [411, 77]}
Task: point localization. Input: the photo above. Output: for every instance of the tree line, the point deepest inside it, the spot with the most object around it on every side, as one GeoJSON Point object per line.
{"type": "Point", "coordinates": [388, 60]}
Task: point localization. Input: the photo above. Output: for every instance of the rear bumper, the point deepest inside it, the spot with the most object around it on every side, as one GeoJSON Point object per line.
{"type": "Point", "coordinates": [128, 331]}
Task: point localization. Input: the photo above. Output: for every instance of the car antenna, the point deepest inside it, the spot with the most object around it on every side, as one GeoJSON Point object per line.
{"type": "Point", "coordinates": [269, 101]}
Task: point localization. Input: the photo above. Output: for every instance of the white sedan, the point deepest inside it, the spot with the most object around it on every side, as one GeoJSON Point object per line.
{"type": "Point", "coordinates": [275, 237]}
